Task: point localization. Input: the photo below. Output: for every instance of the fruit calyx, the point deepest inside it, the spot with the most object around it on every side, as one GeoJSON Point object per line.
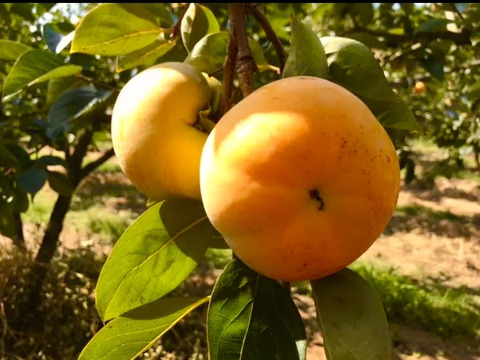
{"type": "Point", "coordinates": [315, 195]}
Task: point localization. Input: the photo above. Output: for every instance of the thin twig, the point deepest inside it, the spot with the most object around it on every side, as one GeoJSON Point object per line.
{"type": "Point", "coordinates": [96, 163]}
{"type": "Point", "coordinates": [259, 15]}
{"type": "Point", "coordinates": [97, 83]}
{"type": "Point", "coordinates": [175, 29]}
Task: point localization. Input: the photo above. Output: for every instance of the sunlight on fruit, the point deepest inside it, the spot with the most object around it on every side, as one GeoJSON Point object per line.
{"type": "Point", "coordinates": [300, 178]}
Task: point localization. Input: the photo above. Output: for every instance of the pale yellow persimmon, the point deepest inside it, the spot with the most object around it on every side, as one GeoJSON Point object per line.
{"type": "Point", "coordinates": [300, 178]}
{"type": "Point", "coordinates": [419, 87]}
{"type": "Point", "coordinates": [154, 132]}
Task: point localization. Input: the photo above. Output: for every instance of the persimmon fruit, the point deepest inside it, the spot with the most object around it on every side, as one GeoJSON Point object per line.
{"type": "Point", "coordinates": [300, 178]}
{"type": "Point", "coordinates": [155, 131]}
{"type": "Point", "coordinates": [419, 87]}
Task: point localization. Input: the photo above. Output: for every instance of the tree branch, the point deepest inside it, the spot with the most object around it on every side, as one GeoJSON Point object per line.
{"type": "Point", "coordinates": [76, 158]}
{"type": "Point", "coordinates": [95, 164]}
{"type": "Point", "coordinates": [97, 82]}
{"type": "Point", "coordinates": [258, 14]}
{"type": "Point", "coordinates": [175, 29]}
{"type": "Point", "coordinates": [245, 64]}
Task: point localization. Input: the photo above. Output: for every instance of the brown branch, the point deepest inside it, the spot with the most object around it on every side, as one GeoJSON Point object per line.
{"type": "Point", "coordinates": [175, 29]}
{"type": "Point", "coordinates": [245, 63]}
{"type": "Point", "coordinates": [95, 164]}
{"type": "Point", "coordinates": [97, 82]}
{"type": "Point", "coordinates": [258, 14]}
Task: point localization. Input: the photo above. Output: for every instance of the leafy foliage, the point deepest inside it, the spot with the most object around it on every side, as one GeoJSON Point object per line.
{"type": "Point", "coordinates": [60, 79]}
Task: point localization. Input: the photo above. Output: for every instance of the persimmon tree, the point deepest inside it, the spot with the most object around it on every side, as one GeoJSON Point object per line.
{"type": "Point", "coordinates": [60, 82]}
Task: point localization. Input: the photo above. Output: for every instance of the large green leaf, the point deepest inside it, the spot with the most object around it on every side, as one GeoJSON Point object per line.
{"type": "Point", "coordinates": [129, 335]}
{"type": "Point", "coordinates": [352, 65]}
{"type": "Point", "coordinates": [115, 29]}
{"type": "Point", "coordinates": [144, 55]}
{"type": "Point", "coordinates": [306, 55]}
{"type": "Point", "coordinates": [12, 50]}
{"type": "Point", "coordinates": [209, 53]}
{"type": "Point", "coordinates": [197, 22]}
{"type": "Point", "coordinates": [32, 179]}
{"type": "Point", "coordinates": [251, 317]}
{"type": "Point", "coordinates": [154, 255]}
{"type": "Point", "coordinates": [71, 105]}
{"type": "Point", "coordinates": [352, 318]}
{"type": "Point", "coordinates": [33, 67]}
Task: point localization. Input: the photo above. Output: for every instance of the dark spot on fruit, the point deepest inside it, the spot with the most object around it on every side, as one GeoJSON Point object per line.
{"type": "Point", "coordinates": [315, 195]}
{"type": "Point", "coordinates": [305, 265]}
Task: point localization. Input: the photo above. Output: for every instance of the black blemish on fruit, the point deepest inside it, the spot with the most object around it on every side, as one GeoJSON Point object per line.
{"type": "Point", "coordinates": [315, 195]}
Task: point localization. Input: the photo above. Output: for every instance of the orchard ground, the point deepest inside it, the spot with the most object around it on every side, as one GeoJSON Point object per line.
{"type": "Point", "coordinates": [431, 248]}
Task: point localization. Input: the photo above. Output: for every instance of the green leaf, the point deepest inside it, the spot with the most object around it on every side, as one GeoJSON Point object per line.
{"type": "Point", "coordinates": [433, 63]}
{"type": "Point", "coordinates": [352, 318]}
{"type": "Point", "coordinates": [12, 50]}
{"type": "Point", "coordinates": [197, 22]}
{"type": "Point", "coordinates": [162, 11]}
{"type": "Point", "coordinates": [258, 56]}
{"type": "Point", "coordinates": [64, 42]}
{"type": "Point", "coordinates": [150, 53]}
{"type": "Point", "coordinates": [352, 66]}
{"type": "Point", "coordinates": [363, 12]}
{"type": "Point", "coordinates": [24, 10]}
{"type": "Point", "coordinates": [115, 29]}
{"type": "Point", "coordinates": [32, 179]}
{"type": "Point", "coordinates": [7, 220]}
{"type": "Point", "coordinates": [71, 105]}
{"type": "Point", "coordinates": [58, 86]}
{"type": "Point", "coordinates": [51, 36]}
{"type": "Point", "coordinates": [154, 255]}
{"type": "Point", "coordinates": [433, 25]}
{"type": "Point", "coordinates": [48, 160]}
{"type": "Point", "coordinates": [60, 183]}
{"type": "Point", "coordinates": [398, 116]}
{"type": "Point", "coordinates": [209, 53]}
{"type": "Point", "coordinates": [129, 335]}
{"type": "Point", "coordinates": [33, 67]}
{"type": "Point", "coordinates": [306, 55]}
{"type": "Point", "coordinates": [251, 317]}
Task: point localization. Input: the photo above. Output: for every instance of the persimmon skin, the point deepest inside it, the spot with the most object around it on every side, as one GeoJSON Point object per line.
{"type": "Point", "coordinates": [300, 178]}
{"type": "Point", "coordinates": [153, 130]}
